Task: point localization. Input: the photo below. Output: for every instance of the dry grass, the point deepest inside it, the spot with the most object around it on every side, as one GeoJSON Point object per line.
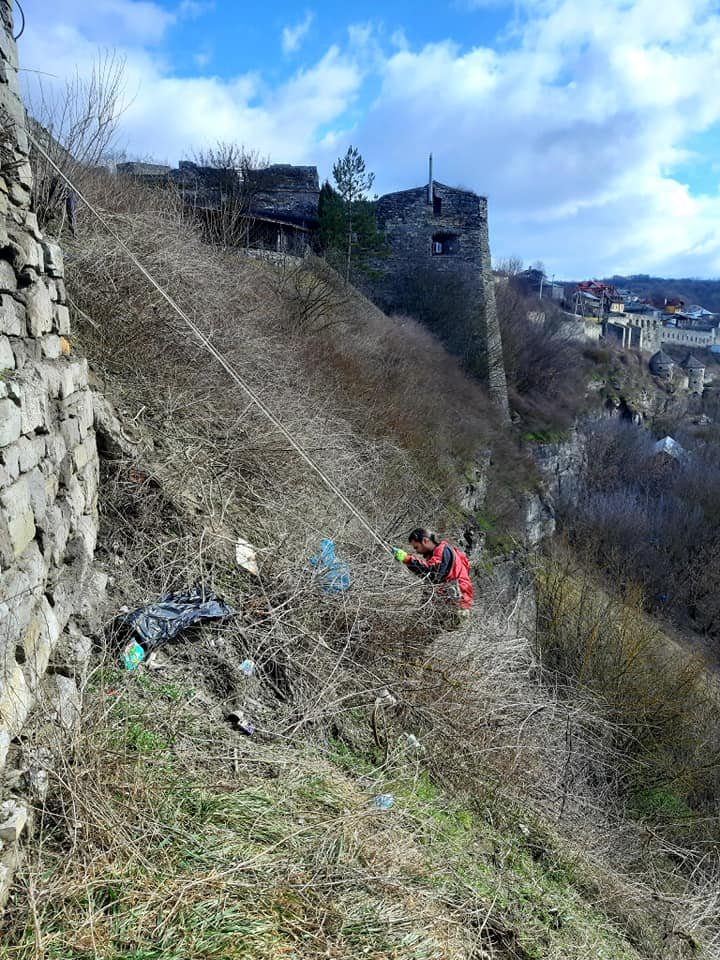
{"type": "Point", "coordinates": [167, 834]}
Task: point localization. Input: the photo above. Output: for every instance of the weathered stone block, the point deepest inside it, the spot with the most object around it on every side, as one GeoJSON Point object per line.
{"type": "Point", "coordinates": [8, 280]}
{"type": "Point", "coordinates": [80, 406]}
{"type": "Point", "coordinates": [15, 701]}
{"type": "Point", "coordinates": [43, 489]}
{"type": "Point", "coordinates": [34, 405]}
{"type": "Point", "coordinates": [53, 259]}
{"type": "Point", "coordinates": [65, 702]}
{"type": "Point", "coordinates": [61, 319]}
{"type": "Point", "coordinates": [84, 539]}
{"type": "Point", "coordinates": [21, 586]}
{"type": "Point", "coordinates": [12, 317]}
{"type": "Point", "coordinates": [39, 641]}
{"type": "Point", "coordinates": [31, 225]}
{"type": "Point", "coordinates": [30, 452]}
{"type": "Point", "coordinates": [50, 346]}
{"type": "Point", "coordinates": [13, 817]}
{"type": "Point", "coordinates": [55, 526]}
{"type": "Point", "coordinates": [84, 453]}
{"type": "Point", "coordinates": [19, 193]}
{"type": "Point", "coordinates": [39, 309]}
{"type": "Point", "coordinates": [55, 448]}
{"type": "Point", "coordinates": [73, 649]}
{"type": "Point", "coordinates": [10, 459]}
{"type": "Point", "coordinates": [10, 422]}
{"type": "Point", "coordinates": [17, 522]}
{"type": "Point", "coordinates": [25, 250]}
{"type": "Point", "coordinates": [7, 357]}
{"type": "Point", "coordinates": [70, 431]}
{"type": "Point", "coordinates": [75, 497]}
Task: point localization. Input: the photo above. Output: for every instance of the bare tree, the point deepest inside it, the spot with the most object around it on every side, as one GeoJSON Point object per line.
{"type": "Point", "coordinates": [225, 200]}
{"type": "Point", "coordinates": [77, 127]}
{"type": "Point", "coordinates": [510, 266]}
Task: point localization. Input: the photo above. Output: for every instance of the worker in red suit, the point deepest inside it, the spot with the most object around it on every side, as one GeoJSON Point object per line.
{"type": "Point", "coordinates": [444, 566]}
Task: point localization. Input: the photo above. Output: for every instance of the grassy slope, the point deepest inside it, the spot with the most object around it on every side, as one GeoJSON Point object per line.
{"type": "Point", "coordinates": [169, 837]}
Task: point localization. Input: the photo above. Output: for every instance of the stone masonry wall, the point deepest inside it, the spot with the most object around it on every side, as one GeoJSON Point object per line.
{"type": "Point", "coordinates": [48, 454]}
{"type": "Point", "coordinates": [408, 222]}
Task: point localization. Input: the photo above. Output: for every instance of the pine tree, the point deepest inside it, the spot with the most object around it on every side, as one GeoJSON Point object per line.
{"type": "Point", "coordinates": [353, 181]}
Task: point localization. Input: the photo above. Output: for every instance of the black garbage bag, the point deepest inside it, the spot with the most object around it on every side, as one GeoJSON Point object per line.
{"type": "Point", "coordinates": [156, 624]}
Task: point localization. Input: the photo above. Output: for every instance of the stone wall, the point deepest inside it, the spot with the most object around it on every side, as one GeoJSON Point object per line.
{"type": "Point", "coordinates": [48, 455]}
{"type": "Point", "coordinates": [285, 190]}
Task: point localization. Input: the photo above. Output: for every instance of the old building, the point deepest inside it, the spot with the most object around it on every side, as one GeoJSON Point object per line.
{"type": "Point", "coordinates": [436, 265]}
{"type": "Point", "coordinates": [662, 365]}
{"type": "Point", "coordinates": [273, 207]}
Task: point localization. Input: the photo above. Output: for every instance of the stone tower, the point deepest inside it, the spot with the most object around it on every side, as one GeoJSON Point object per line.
{"type": "Point", "coordinates": [695, 371]}
{"type": "Point", "coordinates": [437, 236]}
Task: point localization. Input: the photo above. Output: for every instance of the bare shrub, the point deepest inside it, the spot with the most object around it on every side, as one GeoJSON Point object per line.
{"type": "Point", "coordinates": [546, 370]}
{"type": "Point", "coordinates": [226, 214]}
{"type": "Point", "coordinates": [77, 127]}
{"type": "Point", "coordinates": [313, 293]}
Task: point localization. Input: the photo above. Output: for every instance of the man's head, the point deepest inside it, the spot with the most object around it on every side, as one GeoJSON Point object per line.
{"type": "Point", "coordinates": [422, 541]}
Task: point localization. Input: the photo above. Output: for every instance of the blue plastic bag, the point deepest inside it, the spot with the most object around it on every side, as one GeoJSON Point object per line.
{"type": "Point", "coordinates": [334, 573]}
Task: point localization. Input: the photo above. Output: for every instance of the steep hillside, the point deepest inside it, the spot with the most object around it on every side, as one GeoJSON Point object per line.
{"type": "Point", "coordinates": [406, 792]}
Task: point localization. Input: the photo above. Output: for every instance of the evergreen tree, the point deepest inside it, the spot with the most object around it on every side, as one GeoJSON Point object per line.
{"type": "Point", "coordinates": [366, 241]}
{"type": "Point", "coordinates": [352, 181]}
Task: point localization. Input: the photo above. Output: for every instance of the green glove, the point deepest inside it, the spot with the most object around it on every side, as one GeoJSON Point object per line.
{"type": "Point", "coordinates": [400, 555]}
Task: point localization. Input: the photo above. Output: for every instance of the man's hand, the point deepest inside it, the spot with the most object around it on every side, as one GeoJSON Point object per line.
{"type": "Point", "coordinates": [400, 555]}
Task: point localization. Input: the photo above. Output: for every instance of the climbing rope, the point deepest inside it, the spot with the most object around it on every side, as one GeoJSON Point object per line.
{"type": "Point", "coordinates": [221, 359]}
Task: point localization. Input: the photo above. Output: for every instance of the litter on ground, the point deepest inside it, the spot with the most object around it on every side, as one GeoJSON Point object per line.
{"type": "Point", "coordinates": [156, 624]}
{"type": "Point", "coordinates": [245, 556]}
{"type": "Point", "coordinates": [334, 573]}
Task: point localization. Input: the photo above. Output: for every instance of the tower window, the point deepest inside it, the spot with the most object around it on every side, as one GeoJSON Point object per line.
{"type": "Point", "coordinates": [444, 244]}
{"type": "Point", "coordinates": [437, 206]}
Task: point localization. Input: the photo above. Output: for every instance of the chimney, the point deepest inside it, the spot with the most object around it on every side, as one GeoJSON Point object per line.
{"type": "Point", "coordinates": [430, 196]}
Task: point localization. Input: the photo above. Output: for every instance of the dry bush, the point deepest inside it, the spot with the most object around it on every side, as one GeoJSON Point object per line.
{"type": "Point", "coordinates": [664, 700]}
{"type": "Point", "coordinates": [76, 126]}
{"type": "Point", "coordinates": [388, 415]}
{"type": "Point", "coordinates": [546, 370]}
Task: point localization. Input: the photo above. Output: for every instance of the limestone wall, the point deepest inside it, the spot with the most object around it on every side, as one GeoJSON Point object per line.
{"type": "Point", "coordinates": [48, 455]}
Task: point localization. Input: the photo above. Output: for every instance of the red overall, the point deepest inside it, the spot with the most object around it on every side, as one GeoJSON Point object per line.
{"type": "Point", "coordinates": [451, 568]}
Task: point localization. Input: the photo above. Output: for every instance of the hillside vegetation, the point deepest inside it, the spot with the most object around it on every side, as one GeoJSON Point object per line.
{"type": "Point", "coordinates": [167, 833]}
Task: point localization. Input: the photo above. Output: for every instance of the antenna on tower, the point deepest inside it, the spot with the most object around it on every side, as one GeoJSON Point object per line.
{"type": "Point", "coordinates": [431, 192]}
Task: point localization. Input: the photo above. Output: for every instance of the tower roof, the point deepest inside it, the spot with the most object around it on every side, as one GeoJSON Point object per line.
{"type": "Point", "coordinates": [661, 359]}
{"type": "Point", "coordinates": [692, 363]}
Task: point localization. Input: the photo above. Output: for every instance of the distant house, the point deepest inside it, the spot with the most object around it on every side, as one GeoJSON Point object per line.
{"type": "Point", "coordinates": [673, 305]}
{"type": "Point", "coordinates": [607, 297]}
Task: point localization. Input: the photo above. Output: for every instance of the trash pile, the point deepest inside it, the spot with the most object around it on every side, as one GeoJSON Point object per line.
{"type": "Point", "coordinates": [153, 626]}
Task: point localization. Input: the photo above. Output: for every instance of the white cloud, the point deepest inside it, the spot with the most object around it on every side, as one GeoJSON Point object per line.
{"type": "Point", "coordinates": [292, 36]}
{"type": "Point", "coordinates": [574, 126]}
{"type": "Point", "coordinates": [573, 132]}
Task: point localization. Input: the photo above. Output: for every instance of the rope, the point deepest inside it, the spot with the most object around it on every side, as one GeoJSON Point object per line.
{"type": "Point", "coordinates": [213, 351]}
{"type": "Point", "coordinates": [22, 28]}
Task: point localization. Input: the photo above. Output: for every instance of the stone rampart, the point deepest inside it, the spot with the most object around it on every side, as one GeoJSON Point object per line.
{"type": "Point", "coordinates": [48, 454]}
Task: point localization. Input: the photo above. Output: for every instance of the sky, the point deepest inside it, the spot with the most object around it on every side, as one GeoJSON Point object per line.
{"type": "Point", "coordinates": [592, 126]}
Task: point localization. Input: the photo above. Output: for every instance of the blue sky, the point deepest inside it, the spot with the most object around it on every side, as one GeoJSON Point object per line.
{"type": "Point", "coordinates": [591, 125]}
